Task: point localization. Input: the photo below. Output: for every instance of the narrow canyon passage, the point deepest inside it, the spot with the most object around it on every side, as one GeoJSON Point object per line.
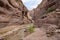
{"type": "Point", "coordinates": [46, 17]}
{"type": "Point", "coordinates": [40, 22]}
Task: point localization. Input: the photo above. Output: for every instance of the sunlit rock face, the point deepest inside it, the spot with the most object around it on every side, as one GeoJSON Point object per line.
{"type": "Point", "coordinates": [11, 12]}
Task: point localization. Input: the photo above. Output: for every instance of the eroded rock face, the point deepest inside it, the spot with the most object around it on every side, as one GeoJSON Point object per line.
{"type": "Point", "coordinates": [43, 15]}
{"type": "Point", "coordinates": [47, 15]}
{"type": "Point", "coordinates": [11, 12]}
{"type": "Point", "coordinates": [30, 15]}
{"type": "Point", "coordinates": [45, 5]}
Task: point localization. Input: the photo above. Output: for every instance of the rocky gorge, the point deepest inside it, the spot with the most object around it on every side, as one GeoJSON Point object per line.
{"type": "Point", "coordinates": [46, 17]}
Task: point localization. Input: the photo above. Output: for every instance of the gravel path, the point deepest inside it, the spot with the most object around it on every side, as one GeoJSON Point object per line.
{"type": "Point", "coordinates": [39, 34]}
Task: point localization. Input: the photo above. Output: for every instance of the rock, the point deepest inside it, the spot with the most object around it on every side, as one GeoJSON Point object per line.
{"type": "Point", "coordinates": [42, 16]}
{"type": "Point", "coordinates": [47, 16]}
{"type": "Point", "coordinates": [30, 15]}
{"type": "Point", "coordinates": [12, 12]}
{"type": "Point", "coordinates": [44, 6]}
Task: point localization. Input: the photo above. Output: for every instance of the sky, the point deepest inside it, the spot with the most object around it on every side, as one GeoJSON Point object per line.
{"type": "Point", "coordinates": [30, 4]}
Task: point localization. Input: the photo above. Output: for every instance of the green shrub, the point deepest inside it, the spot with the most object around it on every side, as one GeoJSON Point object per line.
{"type": "Point", "coordinates": [31, 29]}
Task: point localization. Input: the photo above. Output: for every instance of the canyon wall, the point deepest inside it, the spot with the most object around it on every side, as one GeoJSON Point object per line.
{"type": "Point", "coordinates": [12, 12]}
{"type": "Point", "coordinates": [47, 9]}
{"type": "Point", "coordinates": [47, 16]}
